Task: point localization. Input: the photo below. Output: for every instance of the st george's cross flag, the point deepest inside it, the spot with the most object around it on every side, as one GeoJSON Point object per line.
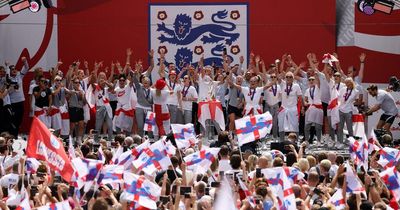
{"type": "Point", "coordinates": [140, 190]}
{"type": "Point", "coordinates": [391, 178]}
{"type": "Point", "coordinates": [125, 159]}
{"type": "Point", "coordinates": [353, 182]}
{"type": "Point", "coordinates": [184, 135]}
{"type": "Point", "coordinates": [87, 170]}
{"type": "Point", "coordinates": [359, 151]}
{"type": "Point", "coordinates": [333, 108]}
{"type": "Point", "coordinates": [111, 174]}
{"type": "Point", "coordinates": [199, 162]}
{"type": "Point", "coordinates": [154, 158]}
{"type": "Point", "coordinates": [337, 200]}
{"type": "Point", "coordinates": [372, 142]}
{"type": "Point", "coordinates": [150, 122]}
{"type": "Point", "coordinates": [211, 110]}
{"type": "Point", "coordinates": [43, 145]}
{"type": "Point", "coordinates": [280, 187]}
{"type": "Point", "coordinates": [252, 128]}
{"type": "Point", "coordinates": [389, 157]}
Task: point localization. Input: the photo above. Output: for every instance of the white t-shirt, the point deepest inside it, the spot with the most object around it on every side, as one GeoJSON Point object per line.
{"type": "Point", "coordinates": [316, 95]}
{"type": "Point", "coordinates": [188, 92]}
{"type": "Point", "coordinates": [224, 165]}
{"type": "Point", "coordinates": [269, 96]}
{"type": "Point", "coordinates": [206, 88]}
{"type": "Point", "coordinates": [289, 95]}
{"type": "Point", "coordinates": [9, 180]}
{"type": "Point", "coordinates": [252, 96]}
{"type": "Point", "coordinates": [162, 98]}
{"type": "Point", "coordinates": [173, 99]}
{"type": "Point", "coordinates": [324, 88]}
{"type": "Point", "coordinates": [347, 99]}
{"type": "Point", "coordinates": [339, 86]}
{"type": "Point", "coordinates": [124, 96]}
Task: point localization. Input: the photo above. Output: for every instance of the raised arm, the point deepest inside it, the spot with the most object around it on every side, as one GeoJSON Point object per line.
{"type": "Point", "coordinates": [151, 66]}
{"type": "Point", "coordinates": [361, 72]}
{"type": "Point", "coordinates": [25, 68]}
{"type": "Point", "coordinates": [86, 66]}
{"type": "Point", "coordinates": [338, 67]}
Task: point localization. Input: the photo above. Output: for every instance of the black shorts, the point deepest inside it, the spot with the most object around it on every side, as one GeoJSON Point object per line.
{"type": "Point", "coordinates": [325, 108]}
{"type": "Point", "coordinates": [389, 119]}
{"type": "Point", "coordinates": [75, 114]}
{"type": "Point", "coordinates": [235, 110]}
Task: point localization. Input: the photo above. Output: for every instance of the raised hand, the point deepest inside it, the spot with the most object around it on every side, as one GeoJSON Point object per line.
{"type": "Point", "coordinates": [241, 59]}
{"type": "Point", "coordinates": [23, 59]}
{"type": "Point", "coordinates": [362, 57]}
{"type": "Point", "coordinates": [257, 59]}
{"type": "Point", "coordinates": [86, 64]}
{"type": "Point", "coordinates": [129, 52]}
{"type": "Point", "coordinates": [151, 53]}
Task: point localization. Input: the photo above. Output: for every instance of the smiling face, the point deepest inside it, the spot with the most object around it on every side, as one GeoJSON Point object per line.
{"type": "Point", "coordinates": [311, 81]}
{"type": "Point", "coordinates": [253, 82]}
{"type": "Point", "coordinates": [239, 80]}
{"type": "Point", "coordinates": [289, 77]}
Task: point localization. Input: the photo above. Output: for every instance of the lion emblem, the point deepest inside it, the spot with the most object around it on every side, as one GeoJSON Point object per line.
{"type": "Point", "coordinates": [183, 33]}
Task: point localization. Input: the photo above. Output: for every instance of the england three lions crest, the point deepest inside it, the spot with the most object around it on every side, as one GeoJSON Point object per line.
{"type": "Point", "coordinates": [188, 31]}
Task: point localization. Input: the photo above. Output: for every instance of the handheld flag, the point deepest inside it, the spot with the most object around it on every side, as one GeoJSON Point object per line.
{"type": "Point", "coordinates": [337, 200]}
{"type": "Point", "coordinates": [153, 158]}
{"type": "Point", "coordinates": [252, 128]}
{"type": "Point", "coordinates": [184, 135]}
{"type": "Point", "coordinates": [359, 151]}
{"type": "Point", "coordinates": [199, 162]}
{"type": "Point", "coordinates": [43, 145]}
{"type": "Point", "coordinates": [150, 122]}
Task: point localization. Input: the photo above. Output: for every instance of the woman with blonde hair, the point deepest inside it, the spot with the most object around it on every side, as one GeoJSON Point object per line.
{"type": "Point", "coordinates": [252, 163]}
{"type": "Point", "coordinates": [347, 97]}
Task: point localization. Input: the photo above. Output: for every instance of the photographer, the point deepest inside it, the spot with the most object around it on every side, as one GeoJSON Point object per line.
{"type": "Point", "coordinates": [385, 102]}
{"type": "Point", "coordinates": [16, 93]}
{"type": "Point", "coordinates": [5, 104]}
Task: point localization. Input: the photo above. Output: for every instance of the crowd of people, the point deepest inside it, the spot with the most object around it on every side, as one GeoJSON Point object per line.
{"type": "Point", "coordinates": [305, 99]}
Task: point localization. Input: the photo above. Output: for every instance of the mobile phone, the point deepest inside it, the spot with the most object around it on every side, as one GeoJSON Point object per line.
{"type": "Point", "coordinates": [57, 179]}
{"type": "Point", "coordinates": [215, 184]}
{"type": "Point", "coordinates": [187, 195]}
{"type": "Point", "coordinates": [207, 191]}
{"type": "Point", "coordinates": [258, 173]}
{"type": "Point", "coordinates": [236, 177]}
{"type": "Point", "coordinates": [222, 174]}
{"type": "Point", "coordinates": [185, 190]}
{"type": "Point", "coordinates": [164, 199]}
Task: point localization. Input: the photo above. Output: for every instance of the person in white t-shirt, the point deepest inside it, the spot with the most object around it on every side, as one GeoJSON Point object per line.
{"type": "Point", "coordinates": [314, 114]}
{"type": "Point", "coordinates": [252, 95]}
{"type": "Point", "coordinates": [288, 117]}
{"type": "Point", "coordinates": [272, 97]}
{"type": "Point", "coordinates": [347, 97]}
{"type": "Point", "coordinates": [124, 113]}
{"type": "Point", "coordinates": [189, 95]}
{"type": "Point", "coordinates": [174, 101]}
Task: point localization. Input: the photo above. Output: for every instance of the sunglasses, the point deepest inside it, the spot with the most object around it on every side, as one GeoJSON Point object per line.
{"type": "Point", "coordinates": [42, 80]}
{"type": "Point", "coordinates": [289, 77]}
{"type": "Point", "coordinates": [336, 75]}
{"type": "Point", "coordinates": [273, 77]}
{"type": "Point", "coordinates": [311, 80]}
{"type": "Point", "coordinates": [185, 78]}
{"type": "Point", "coordinates": [77, 82]}
{"type": "Point", "coordinates": [58, 80]}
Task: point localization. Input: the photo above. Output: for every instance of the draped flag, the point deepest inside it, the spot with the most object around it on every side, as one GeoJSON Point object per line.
{"type": "Point", "coordinates": [140, 190]}
{"type": "Point", "coordinates": [389, 157]}
{"type": "Point", "coordinates": [111, 174]}
{"type": "Point", "coordinates": [391, 177]}
{"type": "Point", "coordinates": [153, 159]}
{"type": "Point", "coordinates": [371, 142]}
{"type": "Point", "coordinates": [353, 182]}
{"type": "Point", "coordinates": [43, 145]}
{"type": "Point", "coordinates": [126, 158]}
{"type": "Point", "coordinates": [248, 194]}
{"type": "Point", "coordinates": [199, 162]}
{"type": "Point", "coordinates": [184, 135]}
{"type": "Point", "coordinates": [293, 174]}
{"type": "Point", "coordinates": [211, 110]}
{"type": "Point", "coordinates": [87, 170]}
{"type": "Point", "coordinates": [333, 108]}
{"type": "Point", "coordinates": [358, 125]}
{"type": "Point", "coordinates": [337, 200]}
{"type": "Point", "coordinates": [56, 206]}
{"type": "Point", "coordinates": [150, 122]}
{"type": "Point", "coordinates": [359, 151]}
{"type": "Point", "coordinates": [252, 128]}
{"type": "Point", "coordinates": [281, 187]}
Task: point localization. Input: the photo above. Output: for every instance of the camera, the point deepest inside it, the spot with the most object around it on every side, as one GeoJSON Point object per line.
{"type": "Point", "coordinates": [10, 83]}
{"type": "Point", "coordinates": [394, 84]}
